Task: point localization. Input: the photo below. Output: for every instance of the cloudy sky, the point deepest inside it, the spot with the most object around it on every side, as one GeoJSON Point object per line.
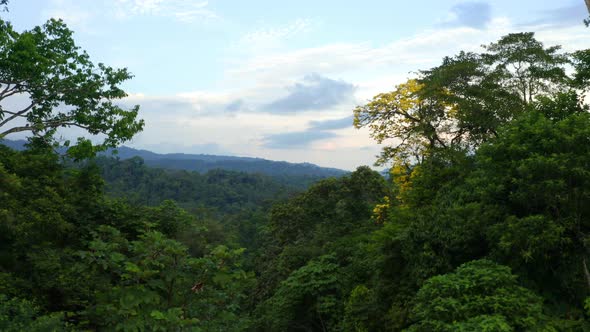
{"type": "Point", "coordinates": [279, 79]}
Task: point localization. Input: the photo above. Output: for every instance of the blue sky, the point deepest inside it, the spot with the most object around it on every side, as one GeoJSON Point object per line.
{"type": "Point", "coordinates": [279, 79]}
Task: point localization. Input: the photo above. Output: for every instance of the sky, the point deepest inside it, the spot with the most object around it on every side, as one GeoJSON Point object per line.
{"type": "Point", "coordinates": [280, 79]}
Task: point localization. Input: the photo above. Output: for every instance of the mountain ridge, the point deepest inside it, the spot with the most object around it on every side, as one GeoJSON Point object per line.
{"type": "Point", "coordinates": [203, 163]}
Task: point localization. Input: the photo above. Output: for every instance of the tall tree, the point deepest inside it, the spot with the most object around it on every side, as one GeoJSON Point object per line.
{"type": "Point", "coordinates": [461, 103]}
{"type": "Point", "coordinates": [55, 85]}
{"type": "Point", "coordinates": [525, 66]}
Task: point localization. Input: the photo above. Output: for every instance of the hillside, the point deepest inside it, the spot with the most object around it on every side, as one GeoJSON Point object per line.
{"type": "Point", "coordinates": [216, 190]}
{"type": "Point", "coordinates": [203, 163]}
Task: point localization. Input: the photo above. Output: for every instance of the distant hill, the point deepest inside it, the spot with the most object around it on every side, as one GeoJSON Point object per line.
{"type": "Point", "coordinates": [217, 191]}
{"type": "Point", "coordinates": [15, 145]}
{"type": "Point", "coordinates": [203, 163]}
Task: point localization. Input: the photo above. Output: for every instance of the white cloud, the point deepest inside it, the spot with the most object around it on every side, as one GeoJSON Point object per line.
{"type": "Point", "coordinates": [232, 116]}
{"type": "Point", "coordinates": [83, 14]}
{"type": "Point", "coordinates": [73, 13]}
{"type": "Point", "coordinates": [416, 52]}
{"type": "Point", "coordinates": [372, 68]}
{"type": "Point", "coordinates": [474, 14]}
{"type": "Point", "coordinates": [184, 11]}
{"type": "Point", "coordinates": [201, 116]}
{"type": "Point", "coordinates": [271, 37]}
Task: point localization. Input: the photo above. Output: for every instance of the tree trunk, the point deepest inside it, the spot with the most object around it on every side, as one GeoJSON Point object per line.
{"type": "Point", "coordinates": [586, 273]}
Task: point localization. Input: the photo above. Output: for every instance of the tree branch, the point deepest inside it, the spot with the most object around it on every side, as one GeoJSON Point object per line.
{"type": "Point", "coordinates": [14, 113]}
{"type": "Point", "coordinates": [17, 114]}
{"type": "Point", "coordinates": [443, 144]}
{"type": "Point", "coordinates": [5, 89]}
{"type": "Point", "coordinates": [16, 130]}
{"type": "Point", "coordinates": [586, 273]}
{"type": "Point", "coordinates": [407, 115]}
{"type": "Point", "coordinates": [56, 124]}
{"type": "Point", "coordinates": [13, 91]}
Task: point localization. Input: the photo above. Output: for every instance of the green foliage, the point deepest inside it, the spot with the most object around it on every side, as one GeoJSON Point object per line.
{"type": "Point", "coordinates": [581, 61]}
{"type": "Point", "coordinates": [525, 66]}
{"type": "Point", "coordinates": [21, 315]}
{"type": "Point", "coordinates": [483, 225]}
{"type": "Point", "coordinates": [358, 310]}
{"type": "Point", "coordinates": [222, 192]}
{"type": "Point", "coordinates": [308, 299]}
{"type": "Point", "coordinates": [417, 123]}
{"type": "Point", "coordinates": [478, 296]}
{"type": "Point", "coordinates": [157, 286]}
{"type": "Point", "coordinates": [64, 87]}
{"type": "Point", "coordinates": [107, 264]}
{"type": "Point", "coordinates": [462, 103]}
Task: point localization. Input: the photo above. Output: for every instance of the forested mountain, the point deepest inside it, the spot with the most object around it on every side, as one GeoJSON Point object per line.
{"type": "Point", "coordinates": [203, 163]}
{"type": "Point", "coordinates": [221, 190]}
{"type": "Point", "coordinates": [482, 225]}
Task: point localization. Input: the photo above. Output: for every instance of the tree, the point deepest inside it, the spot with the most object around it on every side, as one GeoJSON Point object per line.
{"type": "Point", "coordinates": [22, 315]}
{"type": "Point", "coordinates": [479, 296]}
{"type": "Point", "coordinates": [417, 124]}
{"type": "Point", "coordinates": [525, 66]}
{"type": "Point", "coordinates": [587, 20]}
{"type": "Point", "coordinates": [536, 175]}
{"type": "Point", "coordinates": [45, 70]}
{"type": "Point", "coordinates": [477, 101]}
{"type": "Point", "coordinates": [160, 287]}
{"type": "Point", "coordinates": [307, 300]}
{"type": "Point", "coordinates": [462, 103]}
{"type": "Point", "coordinates": [358, 310]}
{"type": "Point", "coordinates": [581, 62]}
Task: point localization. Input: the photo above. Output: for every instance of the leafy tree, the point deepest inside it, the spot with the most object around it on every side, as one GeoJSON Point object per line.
{"type": "Point", "coordinates": [462, 103]}
{"type": "Point", "coordinates": [535, 176]}
{"type": "Point", "coordinates": [159, 287]}
{"type": "Point", "coordinates": [418, 124]}
{"type": "Point", "coordinates": [478, 296]}
{"type": "Point", "coordinates": [307, 300]}
{"type": "Point", "coordinates": [525, 66]}
{"type": "Point", "coordinates": [477, 101]}
{"type": "Point", "coordinates": [358, 313]}
{"type": "Point", "coordinates": [21, 315]}
{"type": "Point", "coordinates": [97, 263]}
{"type": "Point", "coordinates": [62, 88]}
{"type": "Point", "coordinates": [581, 62]}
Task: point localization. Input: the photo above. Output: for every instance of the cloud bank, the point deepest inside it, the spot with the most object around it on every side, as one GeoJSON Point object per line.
{"type": "Point", "coordinates": [299, 139]}
{"type": "Point", "coordinates": [314, 92]}
{"type": "Point", "coordinates": [474, 14]}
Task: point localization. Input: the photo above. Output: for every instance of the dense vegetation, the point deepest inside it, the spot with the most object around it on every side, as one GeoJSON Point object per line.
{"type": "Point", "coordinates": [226, 191]}
{"type": "Point", "coordinates": [483, 224]}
